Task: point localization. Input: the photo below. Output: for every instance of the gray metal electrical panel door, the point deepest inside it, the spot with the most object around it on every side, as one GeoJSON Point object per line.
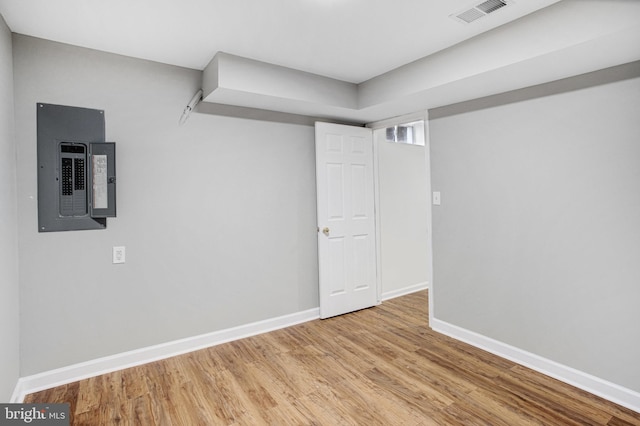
{"type": "Point", "coordinates": [103, 177]}
{"type": "Point", "coordinates": [76, 169]}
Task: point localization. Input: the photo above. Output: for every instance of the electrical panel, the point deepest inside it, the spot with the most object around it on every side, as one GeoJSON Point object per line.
{"type": "Point", "coordinates": [73, 180]}
{"type": "Point", "coordinates": [76, 169]}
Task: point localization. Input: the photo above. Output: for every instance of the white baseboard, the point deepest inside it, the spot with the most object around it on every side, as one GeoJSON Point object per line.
{"type": "Point", "coordinates": [405, 290]}
{"type": "Point", "coordinates": [96, 367]}
{"type": "Point", "coordinates": [595, 385]}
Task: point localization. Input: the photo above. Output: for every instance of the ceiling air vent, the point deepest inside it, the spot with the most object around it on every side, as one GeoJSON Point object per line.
{"type": "Point", "coordinates": [479, 10]}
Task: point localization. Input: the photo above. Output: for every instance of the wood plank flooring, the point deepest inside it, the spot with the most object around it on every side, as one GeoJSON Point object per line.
{"type": "Point", "coordinates": [378, 366]}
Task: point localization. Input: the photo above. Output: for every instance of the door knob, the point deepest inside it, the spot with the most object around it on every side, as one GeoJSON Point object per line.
{"type": "Point", "coordinates": [325, 231]}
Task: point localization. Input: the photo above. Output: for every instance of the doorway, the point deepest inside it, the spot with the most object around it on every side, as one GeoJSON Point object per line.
{"type": "Point", "coordinates": [401, 259]}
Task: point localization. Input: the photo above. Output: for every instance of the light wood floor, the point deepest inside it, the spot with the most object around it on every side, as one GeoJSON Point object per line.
{"type": "Point", "coordinates": [379, 366]}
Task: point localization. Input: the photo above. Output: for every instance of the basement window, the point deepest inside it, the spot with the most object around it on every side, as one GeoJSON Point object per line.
{"type": "Point", "coordinates": [407, 133]}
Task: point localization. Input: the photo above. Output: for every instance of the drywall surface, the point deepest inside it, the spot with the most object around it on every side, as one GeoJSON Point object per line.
{"type": "Point", "coordinates": [9, 290]}
{"type": "Point", "coordinates": [537, 241]}
{"type": "Point", "coordinates": [402, 172]}
{"type": "Point", "coordinates": [217, 216]}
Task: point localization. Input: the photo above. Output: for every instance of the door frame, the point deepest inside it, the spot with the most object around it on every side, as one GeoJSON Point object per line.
{"type": "Point", "coordinates": [420, 115]}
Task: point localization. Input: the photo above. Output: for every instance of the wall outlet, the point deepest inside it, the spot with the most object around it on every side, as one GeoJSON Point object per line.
{"type": "Point", "coordinates": [118, 254]}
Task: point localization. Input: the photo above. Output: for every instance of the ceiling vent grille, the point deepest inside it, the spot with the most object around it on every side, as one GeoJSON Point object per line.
{"type": "Point", "coordinates": [479, 10]}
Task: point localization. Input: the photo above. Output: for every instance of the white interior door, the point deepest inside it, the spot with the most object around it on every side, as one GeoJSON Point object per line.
{"type": "Point", "coordinates": [346, 219]}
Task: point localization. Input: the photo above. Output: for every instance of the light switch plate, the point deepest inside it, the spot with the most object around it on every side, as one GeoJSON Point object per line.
{"type": "Point", "coordinates": [119, 254]}
{"type": "Point", "coordinates": [436, 198]}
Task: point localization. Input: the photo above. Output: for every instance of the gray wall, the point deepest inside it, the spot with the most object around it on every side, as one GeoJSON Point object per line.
{"type": "Point", "coordinates": [9, 293]}
{"type": "Point", "coordinates": [537, 240]}
{"type": "Point", "coordinates": [402, 172]}
{"type": "Point", "coordinates": [217, 216]}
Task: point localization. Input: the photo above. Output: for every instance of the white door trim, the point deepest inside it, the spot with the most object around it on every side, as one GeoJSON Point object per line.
{"type": "Point", "coordinates": [376, 207]}
{"type": "Point", "coordinates": [429, 218]}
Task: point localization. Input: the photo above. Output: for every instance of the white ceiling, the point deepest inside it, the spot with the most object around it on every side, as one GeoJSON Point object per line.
{"type": "Point", "coordinates": [385, 57]}
{"type": "Point", "coordinates": [350, 40]}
